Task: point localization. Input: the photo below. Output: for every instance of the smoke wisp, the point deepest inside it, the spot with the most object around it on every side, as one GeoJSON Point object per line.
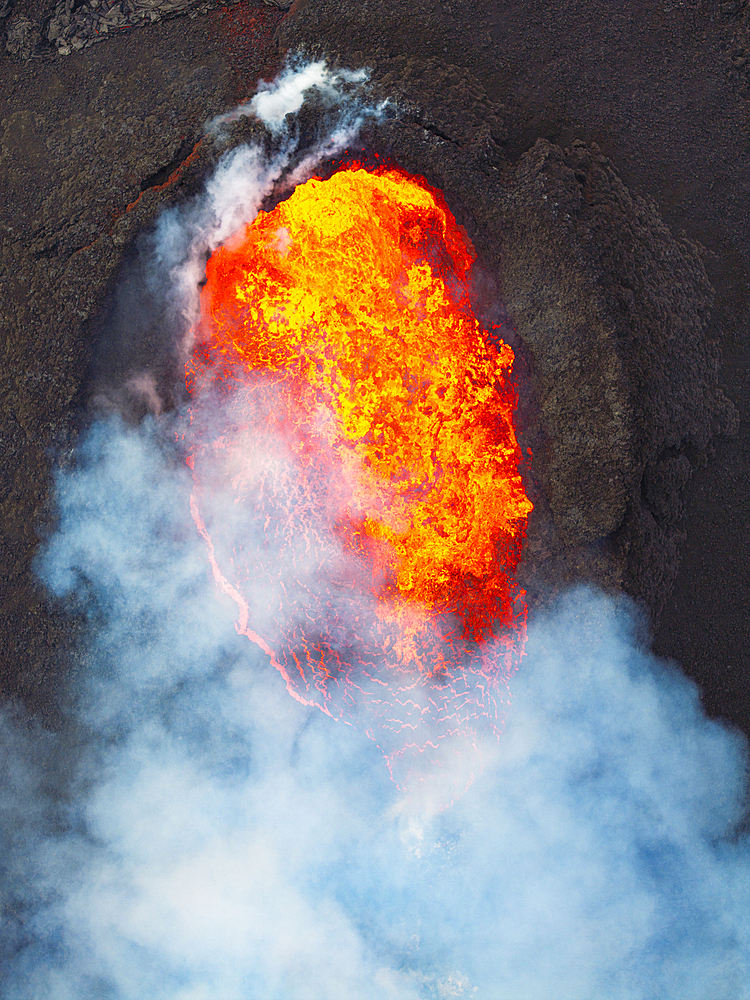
{"type": "Point", "coordinates": [218, 839]}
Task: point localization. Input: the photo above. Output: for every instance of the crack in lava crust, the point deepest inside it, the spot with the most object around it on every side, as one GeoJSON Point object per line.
{"type": "Point", "coordinates": [356, 467]}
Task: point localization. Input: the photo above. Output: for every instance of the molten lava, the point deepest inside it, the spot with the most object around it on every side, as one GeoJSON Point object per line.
{"type": "Point", "coordinates": [366, 444]}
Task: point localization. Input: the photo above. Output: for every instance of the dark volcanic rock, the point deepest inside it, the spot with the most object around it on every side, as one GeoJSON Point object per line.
{"type": "Point", "coordinates": [21, 36]}
{"type": "Point", "coordinates": [616, 314]}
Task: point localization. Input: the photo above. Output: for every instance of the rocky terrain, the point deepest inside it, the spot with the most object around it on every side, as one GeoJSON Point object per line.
{"type": "Point", "coordinates": [598, 159]}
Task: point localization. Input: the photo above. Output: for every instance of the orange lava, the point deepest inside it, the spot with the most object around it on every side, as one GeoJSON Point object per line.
{"type": "Point", "coordinates": [343, 319]}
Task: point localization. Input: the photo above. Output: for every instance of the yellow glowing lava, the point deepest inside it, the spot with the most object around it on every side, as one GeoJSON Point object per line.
{"type": "Point", "coordinates": [352, 293]}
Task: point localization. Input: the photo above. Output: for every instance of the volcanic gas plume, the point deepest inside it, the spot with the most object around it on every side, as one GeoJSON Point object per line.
{"type": "Point", "coordinates": [392, 510]}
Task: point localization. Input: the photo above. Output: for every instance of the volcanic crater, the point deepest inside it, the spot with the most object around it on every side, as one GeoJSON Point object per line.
{"type": "Point", "coordinates": [608, 313]}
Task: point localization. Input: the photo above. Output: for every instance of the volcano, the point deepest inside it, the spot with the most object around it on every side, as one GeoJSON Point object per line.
{"type": "Point", "coordinates": [195, 830]}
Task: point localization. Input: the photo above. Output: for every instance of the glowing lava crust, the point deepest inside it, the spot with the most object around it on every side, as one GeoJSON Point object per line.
{"type": "Point", "coordinates": [356, 466]}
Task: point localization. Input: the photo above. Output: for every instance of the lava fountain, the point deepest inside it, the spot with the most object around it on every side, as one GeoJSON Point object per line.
{"type": "Point", "coordinates": [355, 465]}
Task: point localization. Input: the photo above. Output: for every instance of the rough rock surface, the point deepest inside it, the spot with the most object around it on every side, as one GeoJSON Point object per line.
{"type": "Point", "coordinates": [78, 24]}
{"type": "Point", "coordinates": [617, 319]}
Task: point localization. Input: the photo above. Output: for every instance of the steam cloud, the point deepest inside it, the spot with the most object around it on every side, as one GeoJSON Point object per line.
{"type": "Point", "coordinates": [216, 839]}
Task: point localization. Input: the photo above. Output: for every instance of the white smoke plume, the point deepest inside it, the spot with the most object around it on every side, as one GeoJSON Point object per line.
{"type": "Point", "coordinates": [216, 839]}
{"type": "Point", "coordinates": [277, 102]}
{"type": "Point", "coordinates": [245, 176]}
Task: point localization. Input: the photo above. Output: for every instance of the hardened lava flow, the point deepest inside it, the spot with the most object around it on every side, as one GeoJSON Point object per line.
{"type": "Point", "coordinates": [356, 421]}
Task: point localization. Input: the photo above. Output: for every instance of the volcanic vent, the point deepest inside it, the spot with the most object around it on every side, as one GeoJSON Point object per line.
{"type": "Point", "coordinates": [328, 510]}
{"type": "Point", "coordinates": [367, 444]}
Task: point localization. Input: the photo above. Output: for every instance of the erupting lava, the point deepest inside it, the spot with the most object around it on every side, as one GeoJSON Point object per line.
{"type": "Point", "coordinates": [359, 419]}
